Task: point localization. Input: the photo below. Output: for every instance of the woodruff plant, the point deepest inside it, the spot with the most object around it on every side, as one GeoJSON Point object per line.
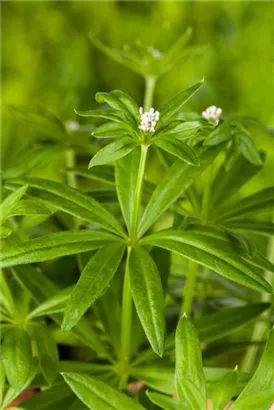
{"type": "Point", "coordinates": [123, 281]}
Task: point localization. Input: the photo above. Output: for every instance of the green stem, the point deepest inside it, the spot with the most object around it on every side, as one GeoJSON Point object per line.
{"type": "Point", "coordinates": [126, 324]}
{"type": "Point", "coordinates": [138, 194]}
{"type": "Point", "coordinates": [70, 163]}
{"type": "Point", "coordinates": [149, 91]}
{"type": "Point", "coordinates": [206, 198]}
{"type": "Point", "coordinates": [189, 289]}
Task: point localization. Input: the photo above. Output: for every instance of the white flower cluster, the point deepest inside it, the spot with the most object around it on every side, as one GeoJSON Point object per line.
{"type": "Point", "coordinates": [148, 119]}
{"type": "Point", "coordinates": [212, 113]}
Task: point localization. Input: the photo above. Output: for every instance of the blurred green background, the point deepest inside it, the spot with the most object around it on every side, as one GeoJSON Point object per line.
{"type": "Point", "coordinates": [48, 61]}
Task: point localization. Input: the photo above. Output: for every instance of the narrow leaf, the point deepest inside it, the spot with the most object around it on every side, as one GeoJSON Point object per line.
{"type": "Point", "coordinates": [55, 304]}
{"type": "Point", "coordinates": [126, 170]}
{"type": "Point", "coordinates": [17, 357]}
{"type": "Point", "coordinates": [179, 149]}
{"type": "Point", "coordinates": [113, 151]}
{"type": "Point", "coordinates": [249, 150]}
{"type": "Point", "coordinates": [176, 103]}
{"type": "Point", "coordinates": [177, 179]}
{"type": "Point", "coordinates": [111, 129]}
{"type": "Point", "coordinates": [92, 283]}
{"type": "Point", "coordinates": [98, 395]}
{"type": "Point", "coordinates": [148, 296]}
{"type": "Point", "coordinates": [165, 402]}
{"type": "Point", "coordinates": [224, 390]}
{"type": "Point", "coordinates": [219, 135]}
{"type": "Point", "coordinates": [72, 201]}
{"type": "Point", "coordinates": [47, 351]}
{"type": "Point", "coordinates": [189, 375]}
{"type": "Point", "coordinates": [54, 246]}
{"type": "Point", "coordinates": [217, 255]}
{"type": "Point", "coordinates": [11, 202]}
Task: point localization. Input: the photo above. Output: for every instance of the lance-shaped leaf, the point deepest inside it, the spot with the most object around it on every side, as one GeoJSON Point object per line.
{"type": "Point", "coordinates": [259, 400]}
{"type": "Point", "coordinates": [98, 395]}
{"type": "Point", "coordinates": [111, 129]}
{"type": "Point", "coordinates": [179, 129]}
{"type": "Point", "coordinates": [54, 246]}
{"type": "Point", "coordinates": [122, 102]}
{"type": "Point", "coordinates": [257, 202]}
{"type": "Point", "coordinates": [217, 255]}
{"type": "Point", "coordinates": [165, 402]}
{"type": "Point", "coordinates": [219, 135]}
{"type": "Point", "coordinates": [30, 207]}
{"type": "Point", "coordinates": [230, 181]}
{"type": "Point", "coordinates": [11, 202]}
{"type": "Point", "coordinates": [71, 201]}
{"type": "Point", "coordinates": [17, 357]}
{"type": "Point", "coordinates": [260, 228]}
{"type": "Point", "coordinates": [175, 104]}
{"type": "Point", "coordinates": [178, 178]}
{"type": "Point", "coordinates": [126, 170]}
{"type": "Point", "coordinates": [48, 356]}
{"type": "Point", "coordinates": [179, 150]}
{"type": "Point", "coordinates": [92, 283]}
{"type": "Point", "coordinates": [55, 304]}
{"type": "Point", "coordinates": [262, 380]}
{"type": "Point", "coordinates": [112, 115]}
{"type": "Point", "coordinates": [249, 150]}
{"type": "Point", "coordinates": [5, 231]}
{"type": "Point", "coordinates": [176, 49]}
{"type": "Point", "coordinates": [148, 296]}
{"type": "Point", "coordinates": [113, 151]}
{"type": "Point", "coordinates": [189, 375]}
{"type": "Point", "coordinates": [224, 390]}
{"type": "Point", "coordinates": [103, 174]}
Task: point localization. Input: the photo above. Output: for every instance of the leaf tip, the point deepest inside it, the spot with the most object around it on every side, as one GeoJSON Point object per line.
{"type": "Point", "coordinates": [184, 315]}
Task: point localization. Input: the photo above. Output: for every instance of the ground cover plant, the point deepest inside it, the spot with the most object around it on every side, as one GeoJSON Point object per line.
{"type": "Point", "coordinates": [143, 279]}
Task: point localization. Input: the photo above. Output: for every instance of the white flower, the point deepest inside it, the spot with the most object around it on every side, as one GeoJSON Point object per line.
{"type": "Point", "coordinates": [148, 119]}
{"type": "Point", "coordinates": [212, 113]}
{"type": "Point", "coordinates": [156, 54]}
{"type": "Point", "coordinates": [72, 125]}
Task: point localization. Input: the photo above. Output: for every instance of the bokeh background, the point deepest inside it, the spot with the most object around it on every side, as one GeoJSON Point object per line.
{"type": "Point", "coordinates": [50, 64]}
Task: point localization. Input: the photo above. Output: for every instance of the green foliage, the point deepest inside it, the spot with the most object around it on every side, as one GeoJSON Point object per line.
{"type": "Point", "coordinates": [173, 214]}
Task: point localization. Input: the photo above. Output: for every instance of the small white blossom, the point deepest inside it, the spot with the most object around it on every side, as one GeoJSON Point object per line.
{"type": "Point", "coordinates": [148, 119]}
{"type": "Point", "coordinates": [72, 125]}
{"type": "Point", "coordinates": [212, 113]}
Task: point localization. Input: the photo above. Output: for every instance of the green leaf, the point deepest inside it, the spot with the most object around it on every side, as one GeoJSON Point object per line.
{"type": "Point", "coordinates": [175, 50]}
{"type": "Point", "coordinates": [218, 324]}
{"type": "Point", "coordinates": [218, 255]}
{"type": "Point", "coordinates": [112, 115]}
{"type": "Point", "coordinates": [176, 103]}
{"type": "Point", "coordinates": [9, 203]}
{"type": "Point", "coordinates": [113, 151]}
{"type": "Point", "coordinates": [51, 399]}
{"type": "Point", "coordinates": [55, 304]}
{"type": "Point", "coordinates": [249, 150]}
{"type": "Point", "coordinates": [120, 101]}
{"type": "Point", "coordinates": [262, 380]}
{"type": "Point", "coordinates": [126, 170]}
{"type": "Point", "coordinates": [179, 149]}
{"type": "Point", "coordinates": [259, 400]}
{"type": "Point", "coordinates": [48, 356]}
{"type": "Point", "coordinates": [263, 199]}
{"type": "Point", "coordinates": [148, 296]}
{"type": "Point", "coordinates": [2, 380]}
{"type": "Point", "coordinates": [224, 390]}
{"type": "Point", "coordinates": [189, 375]}
{"type": "Point", "coordinates": [177, 179]}
{"type": "Point", "coordinates": [220, 134]}
{"type": "Point", "coordinates": [165, 402]}
{"type": "Point", "coordinates": [30, 207]}
{"type": "Point", "coordinates": [260, 228]}
{"type": "Point", "coordinates": [92, 283]}
{"type": "Point", "coordinates": [71, 201]}
{"type": "Point", "coordinates": [98, 395]}
{"type": "Point", "coordinates": [103, 174]}
{"type": "Point", "coordinates": [111, 129]}
{"type": "Point", "coordinates": [17, 357]}
{"type": "Point", "coordinates": [230, 181]}
{"type": "Point", "coordinates": [54, 246]}
{"type": "Point", "coordinates": [178, 129]}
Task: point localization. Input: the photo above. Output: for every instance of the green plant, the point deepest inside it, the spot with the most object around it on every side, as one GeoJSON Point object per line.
{"type": "Point", "coordinates": [112, 236]}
